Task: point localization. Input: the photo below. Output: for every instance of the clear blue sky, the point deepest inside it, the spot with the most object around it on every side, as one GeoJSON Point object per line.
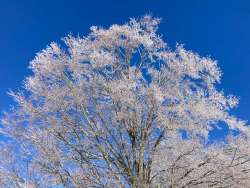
{"type": "Point", "coordinates": [218, 28]}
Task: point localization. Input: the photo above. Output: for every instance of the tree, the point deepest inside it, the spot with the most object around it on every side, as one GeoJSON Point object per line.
{"type": "Point", "coordinates": [118, 108]}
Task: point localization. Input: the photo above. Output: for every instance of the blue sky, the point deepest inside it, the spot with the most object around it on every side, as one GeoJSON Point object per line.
{"type": "Point", "coordinates": [218, 28]}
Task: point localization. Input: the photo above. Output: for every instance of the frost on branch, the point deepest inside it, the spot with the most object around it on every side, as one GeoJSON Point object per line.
{"type": "Point", "coordinates": [107, 111]}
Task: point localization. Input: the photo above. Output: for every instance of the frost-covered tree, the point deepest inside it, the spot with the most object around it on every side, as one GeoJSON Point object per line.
{"type": "Point", "coordinates": [118, 108]}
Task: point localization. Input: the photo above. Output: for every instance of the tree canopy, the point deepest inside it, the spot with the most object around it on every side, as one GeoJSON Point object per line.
{"type": "Point", "coordinates": [119, 108]}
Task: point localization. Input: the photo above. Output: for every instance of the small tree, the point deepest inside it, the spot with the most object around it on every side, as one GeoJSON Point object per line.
{"type": "Point", "coordinates": [118, 108]}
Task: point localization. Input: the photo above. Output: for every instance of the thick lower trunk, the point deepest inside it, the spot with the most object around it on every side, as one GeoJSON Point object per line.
{"type": "Point", "coordinates": [141, 167]}
{"type": "Point", "coordinates": [140, 184]}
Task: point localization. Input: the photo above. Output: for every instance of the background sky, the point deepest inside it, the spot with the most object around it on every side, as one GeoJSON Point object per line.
{"type": "Point", "coordinates": [216, 28]}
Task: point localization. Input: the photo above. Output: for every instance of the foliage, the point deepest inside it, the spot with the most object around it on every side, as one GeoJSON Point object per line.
{"type": "Point", "coordinates": [109, 109]}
